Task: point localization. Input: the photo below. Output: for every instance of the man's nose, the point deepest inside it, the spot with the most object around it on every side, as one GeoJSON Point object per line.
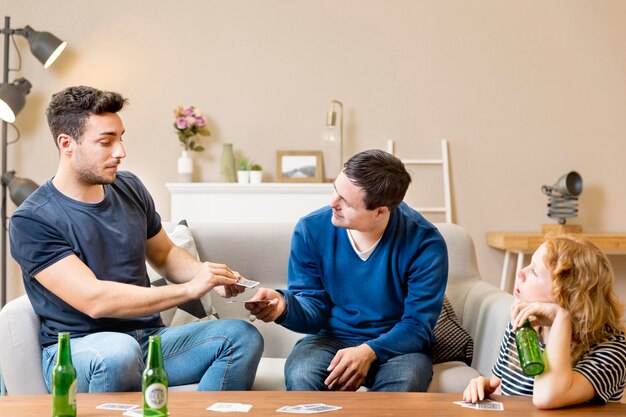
{"type": "Point", "coordinates": [120, 152]}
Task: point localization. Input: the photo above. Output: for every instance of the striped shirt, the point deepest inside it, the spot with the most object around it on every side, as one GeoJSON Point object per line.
{"type": "Point", "coordinates": [604, 366]}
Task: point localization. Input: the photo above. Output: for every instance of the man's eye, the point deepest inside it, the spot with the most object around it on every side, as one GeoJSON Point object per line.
{"type": "Point", "coordinates": [105, 143]}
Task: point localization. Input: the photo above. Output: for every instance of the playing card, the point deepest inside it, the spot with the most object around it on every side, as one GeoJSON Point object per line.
{"type": "Point", "coordinates": [291, 409]}
{"type": "Point", "coordinates": [138, 412]}
{"type": "Point", "coordinates": [482, 405]}
{"type": "Point", "coordinates": [308, 408]}
{"type": "Point", "coordinates": [115, 406]}
{"type": "Point", "coordinates": [230, 407]}
{"type": "Point", "coordinates": [320, 408]}
{"type": "Point", "coordinates": [248, 283]}
{"type": "Point", "coordinates": [254, 301]}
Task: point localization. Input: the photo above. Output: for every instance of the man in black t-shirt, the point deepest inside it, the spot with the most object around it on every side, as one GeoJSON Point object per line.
{"type": "Point", "coordinates": [82, 241]}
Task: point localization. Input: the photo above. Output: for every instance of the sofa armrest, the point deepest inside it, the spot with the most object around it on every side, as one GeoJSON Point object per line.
{"type": "Point", "coordinates": [486, 313]}
{"type": "Point", "coordinates": [20, 352]}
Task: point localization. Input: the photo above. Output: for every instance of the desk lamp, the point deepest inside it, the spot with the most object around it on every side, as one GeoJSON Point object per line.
{"type": "Point", "coordinates": [563, 199]}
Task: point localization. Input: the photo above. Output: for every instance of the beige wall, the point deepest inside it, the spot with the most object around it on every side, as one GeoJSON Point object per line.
{"type": "Point", "coordinates": [524, 91]}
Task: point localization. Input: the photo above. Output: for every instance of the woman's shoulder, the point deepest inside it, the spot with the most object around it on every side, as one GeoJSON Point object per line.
{"type": "Point", "coordinates": [613, 347]}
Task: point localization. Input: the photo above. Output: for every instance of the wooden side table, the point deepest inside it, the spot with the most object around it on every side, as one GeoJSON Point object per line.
{"type": "Point", "coordinates": [521, 244]}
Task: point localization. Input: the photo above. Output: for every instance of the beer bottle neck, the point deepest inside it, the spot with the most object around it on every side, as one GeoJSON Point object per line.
{"type": "Point", "coordinates": [64, 354]}
{"type": "Point", "coordinates": [155, 359]}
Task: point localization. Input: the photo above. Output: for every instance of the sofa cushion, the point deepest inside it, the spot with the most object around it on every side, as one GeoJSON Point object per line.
{"type": "Point", "coordinates": [193, 310]}
{"type": "Point", "coordinates": [452, 341]}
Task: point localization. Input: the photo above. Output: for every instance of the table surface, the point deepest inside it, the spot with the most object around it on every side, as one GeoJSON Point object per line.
{"type": "Point", "coordinates": [611, 243]}
{"type": "Point", "coordinates": [265, 403]}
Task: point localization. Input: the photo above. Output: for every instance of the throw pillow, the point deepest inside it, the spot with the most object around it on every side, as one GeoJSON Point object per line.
{"type": "Point", "coordinates": [452, 341]}
{"type": "Point", "coordinates": [193, 310]}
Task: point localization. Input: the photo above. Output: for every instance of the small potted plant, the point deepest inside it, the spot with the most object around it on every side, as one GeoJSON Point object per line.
{"type": "Point", "coordinates": [256, 174]}
{"type": "Point", "coordinates": [243, 169]}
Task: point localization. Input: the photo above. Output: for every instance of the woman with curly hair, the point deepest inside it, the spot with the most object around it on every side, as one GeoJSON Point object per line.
{"type": "Point", "coordinates": [567, 292]}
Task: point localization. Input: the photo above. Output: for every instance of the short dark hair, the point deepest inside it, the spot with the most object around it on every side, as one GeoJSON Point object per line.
{"type": "Point", "coordinates": [381, 175]}
{"type": "Point", "coordinates": [69, 109]}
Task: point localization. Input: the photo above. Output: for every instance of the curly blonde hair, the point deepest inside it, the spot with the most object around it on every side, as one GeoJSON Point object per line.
{"type": "Point", "coordinates": [582, 283]}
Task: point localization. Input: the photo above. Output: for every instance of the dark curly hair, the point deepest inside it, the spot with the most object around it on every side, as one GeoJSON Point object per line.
{"type": "Point", "coordinates": [69, 109]}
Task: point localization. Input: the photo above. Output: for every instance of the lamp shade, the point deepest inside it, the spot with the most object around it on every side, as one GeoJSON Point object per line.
{"type": "Point", "coordinates": [44, 45]}
{"type": "Point", "coordinates": [19, 188]}
{"type": "Point", "coordinates": [568, 185]}
{"type": "Point", "coordinates": [13, 98]}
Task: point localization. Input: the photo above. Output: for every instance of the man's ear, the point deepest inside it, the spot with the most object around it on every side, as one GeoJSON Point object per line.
{"type": "Point", "coordinates": [65, 143]}
{"type": "Point", "coordinates": [382, 211]}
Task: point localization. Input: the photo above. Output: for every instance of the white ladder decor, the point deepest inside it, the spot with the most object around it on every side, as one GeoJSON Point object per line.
{"type": "Point", "coordinates": [444, 162]}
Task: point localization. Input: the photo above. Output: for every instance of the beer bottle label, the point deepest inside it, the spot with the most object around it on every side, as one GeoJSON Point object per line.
{"type": "Point", "coordinates": [156, 395]}
{"type": "Point", "coordinates": [71, 393]}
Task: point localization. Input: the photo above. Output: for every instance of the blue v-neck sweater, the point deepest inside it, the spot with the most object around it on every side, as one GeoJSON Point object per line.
{"type": "Point", "coordinates": [391, 301]}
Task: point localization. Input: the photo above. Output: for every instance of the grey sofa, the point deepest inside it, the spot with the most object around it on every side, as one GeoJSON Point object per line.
{"type": "Point", "coordinates": [259, 252]}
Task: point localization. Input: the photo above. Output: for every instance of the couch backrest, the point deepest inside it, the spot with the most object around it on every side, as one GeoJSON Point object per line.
{"type": "Point", "coordinates": [260, 251]}
{"type": "Point", "coordinates": [462, 265]}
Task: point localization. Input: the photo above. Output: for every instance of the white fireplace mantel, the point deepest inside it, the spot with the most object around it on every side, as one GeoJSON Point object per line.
{"type": "Point", "coordinates": [246, 203]}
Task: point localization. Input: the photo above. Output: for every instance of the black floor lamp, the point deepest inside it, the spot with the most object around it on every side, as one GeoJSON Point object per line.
{"type": "Point", "coordinates": [46, 48]}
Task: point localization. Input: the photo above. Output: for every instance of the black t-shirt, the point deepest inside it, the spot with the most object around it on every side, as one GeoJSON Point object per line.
{"type": "Point", "coordinates": [109, 237]}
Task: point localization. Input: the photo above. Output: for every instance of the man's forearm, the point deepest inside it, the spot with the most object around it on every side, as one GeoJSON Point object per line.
{"type": "Point", "coordinates": [180, 266]}
{"type": "Point", "coordinates": [114, 299]}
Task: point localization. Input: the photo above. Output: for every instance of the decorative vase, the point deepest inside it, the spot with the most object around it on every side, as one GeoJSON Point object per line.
{"type": "Point", "coordinates": [185, 167]}
{"type": "Point", "coordinates": [256, 177]}
{"type": "Point", "coordinates": [227, 168]}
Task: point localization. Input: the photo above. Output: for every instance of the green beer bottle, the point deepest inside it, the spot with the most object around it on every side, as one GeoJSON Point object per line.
{"type": "Point", "coordinates": [528, 350]}
{"type": "Point", "coordinates": [64, 380]}
{"type": "Point", "coordinates": [154, 381]}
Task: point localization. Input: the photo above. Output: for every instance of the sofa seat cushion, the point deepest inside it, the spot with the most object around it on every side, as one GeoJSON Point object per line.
{"type": "Point", "coordinates": [270, 375]}
{"type": "Point", "coordinates": [451, 377]}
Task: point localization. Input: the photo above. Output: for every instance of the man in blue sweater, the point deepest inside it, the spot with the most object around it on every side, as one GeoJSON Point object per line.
{"type": "Point", "coordinates": [366, 282]}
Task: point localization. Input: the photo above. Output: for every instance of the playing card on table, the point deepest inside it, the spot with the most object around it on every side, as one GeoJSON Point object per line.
{"type": "Point", "coordinates": [116, 406]}
{"type": "Point", "coordinates": [308, 408]}
{"type": "Point", "coordinates": [482, 405]}
{"type": "Point", "coordinates": [230, 407]}
{"type": "Point", "coordinates": [248, 283]}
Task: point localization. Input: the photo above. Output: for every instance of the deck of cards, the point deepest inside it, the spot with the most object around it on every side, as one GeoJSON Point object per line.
{"type": "Point", "coordinates": [482, 405]}
{"type": "Point", "coordinates": [308, 408]}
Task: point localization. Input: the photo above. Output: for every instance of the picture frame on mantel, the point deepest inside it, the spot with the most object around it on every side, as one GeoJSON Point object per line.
{"type": "Point", "coordinates": [299, 166]}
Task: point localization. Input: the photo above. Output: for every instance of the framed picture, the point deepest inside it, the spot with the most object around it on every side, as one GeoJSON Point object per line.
{"type": "Point", "coordinates": [299, 166]}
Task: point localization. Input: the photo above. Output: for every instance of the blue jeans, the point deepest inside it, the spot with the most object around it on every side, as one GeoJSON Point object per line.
{"type": "Point", "coordinates": [217, 354]}
{"type": "Point", "coordinates": [305, 369]}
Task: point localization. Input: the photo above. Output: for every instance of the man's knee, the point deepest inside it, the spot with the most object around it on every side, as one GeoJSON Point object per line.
{"type": "Point", "coordinates": [404, 373]}
{"type": "Point", "coordinates": [113, 364]}
{"type": "Point", "coordinates": [304, 374]}
{"type": "Point", "coordinates": [244, 335]}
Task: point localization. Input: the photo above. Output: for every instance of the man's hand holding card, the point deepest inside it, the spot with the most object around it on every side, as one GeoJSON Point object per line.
{"type": "Point", "coordinates": [267, 311]}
